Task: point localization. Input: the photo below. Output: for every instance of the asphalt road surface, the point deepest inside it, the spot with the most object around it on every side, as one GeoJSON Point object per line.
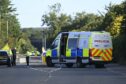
{"type": "Point", "coordinates": [40, 74]}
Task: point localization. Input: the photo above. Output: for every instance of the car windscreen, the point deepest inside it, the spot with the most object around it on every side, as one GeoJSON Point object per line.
{"type": "Point", "coordinates": [3, 53]}
{"type": "Point", "coordinates": [72, 43]}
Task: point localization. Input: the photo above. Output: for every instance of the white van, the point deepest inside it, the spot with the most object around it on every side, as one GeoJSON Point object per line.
{"type": "Point", "coordinates": [80, 48]}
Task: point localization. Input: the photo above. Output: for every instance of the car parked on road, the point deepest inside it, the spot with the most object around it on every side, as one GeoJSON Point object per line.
{"type": "Point", "coordinates": [5, 59]}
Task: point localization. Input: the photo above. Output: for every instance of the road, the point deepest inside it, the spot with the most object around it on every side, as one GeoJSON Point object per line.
{"type": "Point", "coordinates": [40, 74]}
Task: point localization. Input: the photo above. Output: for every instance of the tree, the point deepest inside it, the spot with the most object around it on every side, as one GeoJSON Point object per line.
{"type": "Point", "coordinates": [83, 22]}
{"type": "Point", "coordinates": [115, 26]}
{"type": "Point", "coordinates": [55, 20]}
{"type": "Point", "coordinates": [10, 28]}
{"type": "Point", "coordinates": [9, 25]}
{"type": "Point", "coordinates": [24, 44]}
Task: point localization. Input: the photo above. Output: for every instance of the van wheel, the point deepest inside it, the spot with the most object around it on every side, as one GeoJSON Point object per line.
{"type": "Point", "coordinates": [69, 65]}
{"type": "Point", "coordinates": [49, 62]}
{"type": "Point", "coordinates": [99, 66]}
{"type": "Point", "coordinates": [80, 65]}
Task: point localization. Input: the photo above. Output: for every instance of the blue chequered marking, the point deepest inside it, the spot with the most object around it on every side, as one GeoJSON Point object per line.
{"type": "Point", "coordinates": [73, 52]}
{"type": "Point", "coordinates": [80, 52]}
{"type": "Point", "coordinates": [54, 53]}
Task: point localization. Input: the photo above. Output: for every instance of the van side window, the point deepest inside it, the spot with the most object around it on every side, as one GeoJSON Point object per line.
{"type": "Point", "coordinates": [55, 44]}
{"type": "Point", "coordinates": [72, 43]}
{"type": "Point", "coordinates": [83, 43]}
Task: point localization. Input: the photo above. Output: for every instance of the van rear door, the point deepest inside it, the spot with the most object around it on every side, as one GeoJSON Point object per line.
{"type": "Point", "coordinates": [101, 46]}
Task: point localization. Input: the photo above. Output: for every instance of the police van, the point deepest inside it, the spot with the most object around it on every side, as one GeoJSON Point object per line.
{"type": "Point", "coordinates": [80, 48]}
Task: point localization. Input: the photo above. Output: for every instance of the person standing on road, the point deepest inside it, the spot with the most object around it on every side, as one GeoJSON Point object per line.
{"type": "Point", "coordinates": [27, 58]}
{"type": "Point", "coordinates": [14, 56]}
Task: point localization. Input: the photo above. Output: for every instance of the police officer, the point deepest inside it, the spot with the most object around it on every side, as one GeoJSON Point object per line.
{"type": "Point", "coordinates": [27, 58]}
{"type": "Point", "coordinates": [14, 56]}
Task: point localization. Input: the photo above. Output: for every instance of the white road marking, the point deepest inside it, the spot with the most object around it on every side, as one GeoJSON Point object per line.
{"type": "Point", "coordinates": [46, 71]}
{"type": "Point", "coordinates": [41, 70]}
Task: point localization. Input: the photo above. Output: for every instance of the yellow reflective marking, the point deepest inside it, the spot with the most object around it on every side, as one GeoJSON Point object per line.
{"type": "Point", "coordinates": [109, 55]}
{"type": "Point", "coordinates": [94, 50]}
{"type": "Point", "coordinates": [85, 52]}
{"type": "Point", "coordinates": [68, 52]}
{"type": "Point", "coordinates": [106, 54]}
{"type": "Point", "coordinates": [110, 51]}
{"type": "Point", "coordinates": [48, 53]}
{"type": "Point", "coordinates": [104, 57]}
{"type": "Point", "coordinates": [97, 53]}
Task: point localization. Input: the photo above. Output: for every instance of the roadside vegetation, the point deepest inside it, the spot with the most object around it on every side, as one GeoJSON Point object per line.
{"type": "Point", "coordinates": [113, 21]}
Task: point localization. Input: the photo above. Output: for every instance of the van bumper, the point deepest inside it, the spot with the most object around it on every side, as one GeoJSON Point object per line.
{"type": "Point", "coordinates": [63, 60]}
{"type": "Point", "coordinates": [99, 62]}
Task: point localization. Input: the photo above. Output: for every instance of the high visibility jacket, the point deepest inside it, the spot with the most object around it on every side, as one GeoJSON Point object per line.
{"type": "Point", "coordinates": [28, 53]}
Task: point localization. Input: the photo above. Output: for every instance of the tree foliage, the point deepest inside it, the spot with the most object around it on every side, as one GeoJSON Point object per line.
{"type": "Point", "coordinates": [55, 20]}
{"type": "Point", "coordinates": [10, 27]}
{"type": "Point", "coordinates": [115, 27]}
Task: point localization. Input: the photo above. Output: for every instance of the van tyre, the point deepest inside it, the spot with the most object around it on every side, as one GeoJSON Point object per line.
{"type": "Point", "coordinates": [49, 62]}
{"type": "Point", "coordinates": [82, 65]}
{"type": "Point", "coordinates": [79, 63]}
{"type": "Point", "coordinates": [69, 65]}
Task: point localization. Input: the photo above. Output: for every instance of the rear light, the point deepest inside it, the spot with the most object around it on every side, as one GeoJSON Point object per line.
{"type": "Point", "coordinates": [90, 52]}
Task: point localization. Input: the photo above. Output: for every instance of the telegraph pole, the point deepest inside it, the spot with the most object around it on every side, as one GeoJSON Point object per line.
{"type": "Point", "coordinates": [0, 23]}
{"type": "Point", "coordinates": [44, 38]}
{"type": "Point", "coordinates": [7, 29]}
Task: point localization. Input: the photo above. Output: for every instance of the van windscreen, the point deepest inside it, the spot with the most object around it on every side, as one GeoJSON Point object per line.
{"type": "Point", "coordinates": [72, 43]}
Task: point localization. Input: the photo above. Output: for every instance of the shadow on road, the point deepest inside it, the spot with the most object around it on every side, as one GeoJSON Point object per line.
{"type": "Point", "coordinates": [25, 66]}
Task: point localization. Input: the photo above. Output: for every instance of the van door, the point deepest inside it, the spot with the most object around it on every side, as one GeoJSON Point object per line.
{"type": "Point", "coordinates": [102, 47]}
{"type": "Point", "coordinates": [83, 46]}
{"type": "Point", "coordinates": [106, 47]}
{"type": "Point", "coordinates": [72, 47]}
{"type": "Point", "coordinates": [83, 49]}
{"type": "Point", "coordinates": [55, 51]}
{"type": "Point", "coordinates": [63, 43]}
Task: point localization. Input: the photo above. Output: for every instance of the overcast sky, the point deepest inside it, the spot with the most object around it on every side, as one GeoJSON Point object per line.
{"type": "Point", "coordinates": [31, 11]}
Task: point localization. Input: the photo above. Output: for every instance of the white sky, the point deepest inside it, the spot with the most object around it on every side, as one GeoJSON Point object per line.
{"type": "Point", "coordinates": [31, 11]}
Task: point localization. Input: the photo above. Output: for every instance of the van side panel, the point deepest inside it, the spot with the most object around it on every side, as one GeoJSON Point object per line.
{"type": "Point", "coordinates": [73, 53]}
{"type": "Point", "coordinates": [54, 53]}
{"type": "Point", "coordinates": [83, 46]}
